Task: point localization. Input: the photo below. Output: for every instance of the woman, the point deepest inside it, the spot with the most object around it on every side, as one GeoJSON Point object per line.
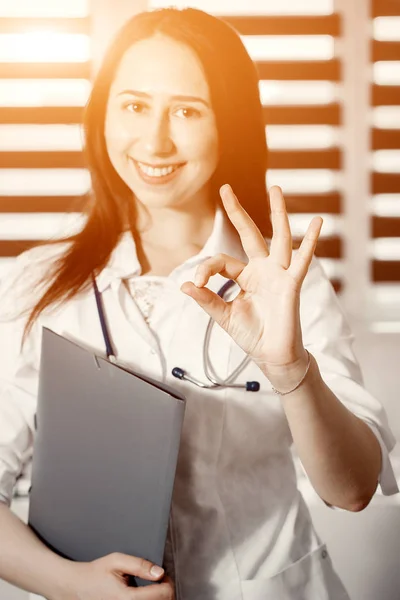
{"type": "Point", "coordinates": [174, 115]}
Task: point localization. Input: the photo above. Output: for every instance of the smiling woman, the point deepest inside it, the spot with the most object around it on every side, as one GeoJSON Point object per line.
{"type": "Point", "coordinates": [173, 125]}
{"type": "Point", "coordinates": [157, 137]}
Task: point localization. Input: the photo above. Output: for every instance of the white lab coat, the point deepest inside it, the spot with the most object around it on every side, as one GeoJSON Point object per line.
{"type": "Point", "coordinates": [239, 528]}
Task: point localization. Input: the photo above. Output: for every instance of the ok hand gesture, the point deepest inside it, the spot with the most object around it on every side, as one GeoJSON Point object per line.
{"type": "Point", "coordinates": [264, 319]}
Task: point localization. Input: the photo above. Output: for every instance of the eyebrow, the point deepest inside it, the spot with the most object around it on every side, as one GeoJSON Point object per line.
{"type": "Point", "coordinates": [180, 98]}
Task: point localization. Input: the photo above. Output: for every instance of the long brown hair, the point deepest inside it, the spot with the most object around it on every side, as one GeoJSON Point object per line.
{"type": "Point", "coordinates": [233, 83]}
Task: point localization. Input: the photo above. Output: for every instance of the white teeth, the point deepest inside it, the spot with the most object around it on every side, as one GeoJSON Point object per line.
{"type": "Point", "coordinates": [156, 172]}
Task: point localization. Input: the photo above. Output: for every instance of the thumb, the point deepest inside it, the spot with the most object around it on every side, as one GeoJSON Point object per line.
{"type": "Point", "coordinates": [132, 565]}
{"type": "Point", "coordinates": [210, 302]}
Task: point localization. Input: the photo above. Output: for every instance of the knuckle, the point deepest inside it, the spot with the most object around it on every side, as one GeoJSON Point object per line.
{"type": "Point", "coordinates": [144, 565]}
{"type": "Point", "coordinates": [168, 592]}
{"type": "Point", "coordinates": [114, 558]}
{"type": "Point", "coordinates": [204, 267]}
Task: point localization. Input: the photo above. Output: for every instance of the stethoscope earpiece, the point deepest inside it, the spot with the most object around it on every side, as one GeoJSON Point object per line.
{"type": "Point", "coordinates": [252, 386]}
{"type": "Point", "coordinates": [178, 373]}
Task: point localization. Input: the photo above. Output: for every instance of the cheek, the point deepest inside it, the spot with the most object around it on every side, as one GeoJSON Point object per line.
{"type": "Point", "coordinates": [200, 143]}
{"type": "Point", "coordinates": [117, 134]}
{"type": "Point", "coordinates": [116, 137]}
{"type": "Point", "coordinates": [210, 148]}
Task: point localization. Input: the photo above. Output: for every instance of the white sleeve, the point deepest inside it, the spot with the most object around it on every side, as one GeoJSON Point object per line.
{"type": "Point", "coordinates": [18, 374]}
{"type": "Point", "coordinates": [327, 336]}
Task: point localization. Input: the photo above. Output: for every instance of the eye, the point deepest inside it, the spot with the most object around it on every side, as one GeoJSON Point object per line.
{"type": "Point", "coordinates": [187, 112]}
{"type": "Point", "coordinates": [135, 107]}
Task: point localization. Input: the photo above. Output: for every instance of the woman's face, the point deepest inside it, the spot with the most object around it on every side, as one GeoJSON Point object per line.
{"type": "Point", "coordinates": [160, 129]}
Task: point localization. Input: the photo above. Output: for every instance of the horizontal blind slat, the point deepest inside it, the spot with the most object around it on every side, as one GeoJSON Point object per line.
{"type": "Point", "coordinates": [326, 248]}
{"type": "Point", "coordinates": [10, 248]}
{"type": "Point", "coordinates": [278, 159]}
{"type": "Point", "coordinates": [385, 183]}
{"type": "Point", "coordinates": [303, 159]}
{"type": "Point", "coordinates": [313, 70]}
{"type": "Point", "coordinates": [385, 270]}
{"type": "Point", "coordinates": [280, 25]}
{"type": "Point", "coordinates": [312, 203]}
{"type": "Point", "coordinates": [385, 8]}
{"type": "Point", "coordinates": [42, 204]}
{"type": "Point", "coordinates": [300, 203]}
{"type": "Point", "coordinates": [385, 226]}
{"type": "Point", "coordinates": [326, 114]}
{"type": "Point", "coordinates": [385, 139]}
{"type": "Point", "coordinates": [385, 50]}
{"type": "Point", "coordinates": [385, 95]}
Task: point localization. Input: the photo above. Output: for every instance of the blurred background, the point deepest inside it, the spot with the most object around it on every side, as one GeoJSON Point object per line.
{"type": "Point", "coordinates": [330, 84]}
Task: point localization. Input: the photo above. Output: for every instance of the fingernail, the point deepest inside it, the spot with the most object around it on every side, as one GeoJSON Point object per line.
{"type": "Point", "coordinates": [198, 280]}
{"type": "Point", "coordinates": [225, 188]}
{"type": "Point", "coordinates": [156, 571]}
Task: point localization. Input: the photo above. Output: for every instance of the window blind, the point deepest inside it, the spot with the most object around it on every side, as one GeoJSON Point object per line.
{"type": "Point", "coordinates": [44, 84]}
{"type": "Point", "coordinates": [385, 145]}
{"type": "Point", "coordinates": [42, 175]}
{"type": "Point", "coordinates": [293, 47]}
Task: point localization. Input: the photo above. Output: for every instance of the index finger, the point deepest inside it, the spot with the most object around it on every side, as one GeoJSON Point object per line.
{"type": "Point", "coordinates": [252, 241]}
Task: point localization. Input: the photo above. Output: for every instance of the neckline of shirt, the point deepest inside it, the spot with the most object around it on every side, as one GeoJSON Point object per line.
{"type": "Point", "coordinates": [124, 262]}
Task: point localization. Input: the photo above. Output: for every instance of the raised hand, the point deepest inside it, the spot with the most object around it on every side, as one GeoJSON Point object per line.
{"type": "Point", "coordinates": [264, 319]}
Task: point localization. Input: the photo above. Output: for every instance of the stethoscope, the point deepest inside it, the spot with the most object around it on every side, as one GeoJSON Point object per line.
{"type": "Point", "coordinates": [249, 386]}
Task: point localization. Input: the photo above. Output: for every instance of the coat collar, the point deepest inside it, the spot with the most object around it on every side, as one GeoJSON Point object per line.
{"type": "Point", "coordinates": [124, 262]}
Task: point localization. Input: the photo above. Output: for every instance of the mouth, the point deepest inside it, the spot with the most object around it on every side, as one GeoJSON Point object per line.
{"type": "Point", "coordinates": [157, 174]}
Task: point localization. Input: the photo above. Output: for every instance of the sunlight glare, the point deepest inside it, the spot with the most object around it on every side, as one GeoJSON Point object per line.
{"type": "Point", "coordinates": [44, 46]}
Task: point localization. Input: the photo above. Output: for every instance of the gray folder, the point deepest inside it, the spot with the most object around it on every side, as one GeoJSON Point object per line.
{"type": "Point", "coordinates": [105, 456]}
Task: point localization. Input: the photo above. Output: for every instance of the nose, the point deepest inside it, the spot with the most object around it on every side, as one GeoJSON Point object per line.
{"type": "Point", "coordinates": [157, 138]}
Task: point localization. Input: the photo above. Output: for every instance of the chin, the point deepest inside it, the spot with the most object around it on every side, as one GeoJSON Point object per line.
{"type": "Point", "coordinates": [157, 199]}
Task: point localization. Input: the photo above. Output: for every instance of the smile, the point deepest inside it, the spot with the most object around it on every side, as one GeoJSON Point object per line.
{"type": "Point", "coordinates": [157, 171]}
{"type": "Point", "coordinates": [157, 174]}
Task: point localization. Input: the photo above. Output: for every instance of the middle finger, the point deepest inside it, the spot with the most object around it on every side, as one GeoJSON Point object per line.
{"type": "Point", "coordinates": [281, 243]}
{"type": "Point", "coordinates": [252, 241]}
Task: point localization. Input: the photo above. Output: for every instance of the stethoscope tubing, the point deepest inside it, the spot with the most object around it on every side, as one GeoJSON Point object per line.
{"type": "Point", "coordinates": [177, 372]}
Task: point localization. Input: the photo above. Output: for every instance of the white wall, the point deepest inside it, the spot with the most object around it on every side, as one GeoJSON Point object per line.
{"type": "Point", "coordinates": [365, 546]}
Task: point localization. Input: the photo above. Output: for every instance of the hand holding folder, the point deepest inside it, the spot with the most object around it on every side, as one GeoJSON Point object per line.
{"type": "Point", "coordinates": [105, 456]}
